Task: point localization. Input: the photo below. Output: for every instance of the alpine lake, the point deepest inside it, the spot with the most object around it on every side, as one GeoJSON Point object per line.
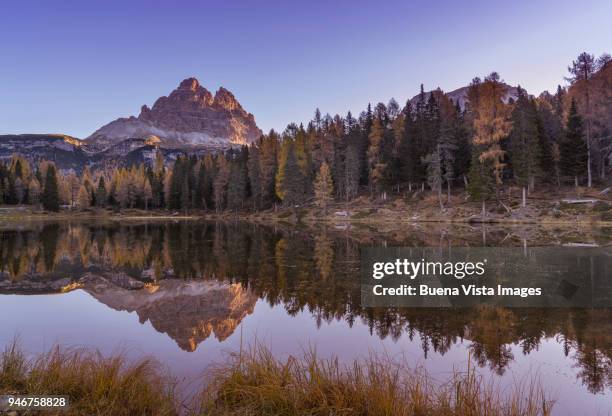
{"type": "Point", "coordinates": [188, 293]}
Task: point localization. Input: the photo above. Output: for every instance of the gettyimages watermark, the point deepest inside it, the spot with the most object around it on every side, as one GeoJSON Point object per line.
{"type": "Point", "coordinates": [468, 276]}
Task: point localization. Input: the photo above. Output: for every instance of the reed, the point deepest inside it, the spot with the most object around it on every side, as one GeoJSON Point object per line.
{"type": "Point", "coordinates": [255, 382]}
{"type": "Point", "coordinates": [95, 385]}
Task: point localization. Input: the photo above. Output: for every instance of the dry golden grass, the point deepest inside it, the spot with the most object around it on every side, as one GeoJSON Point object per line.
{"type": "Point", "coordinates": [94, 384]}
{"type": "Point", "coordinates": [256, 383]}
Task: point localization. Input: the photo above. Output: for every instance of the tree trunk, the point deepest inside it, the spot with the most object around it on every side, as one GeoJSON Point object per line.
{"type": "Point", "coordinates": [524, 197]}
{"type": "Point", "coordinates": [590, 179]}
{"type": "Point", "coordinates": [448, 192]}
{"type": "Point", "coordinates": [484, 210]}
{"type": "Point", "coordinates": [588, 133]}
{"type": "Point", "coordinates": [576, 181]}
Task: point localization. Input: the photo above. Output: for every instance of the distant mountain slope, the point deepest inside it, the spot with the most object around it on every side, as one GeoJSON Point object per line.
{"type": "Point", "coordinates": [67, 152]}
{"type": "Point", "coordinates": [189, 117]}
{"type": "Point", "coordinates": [461, 95]}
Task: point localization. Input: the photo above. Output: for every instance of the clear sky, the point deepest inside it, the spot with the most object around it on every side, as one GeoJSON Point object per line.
{"type": "Point", "coordinates": [72, 66]}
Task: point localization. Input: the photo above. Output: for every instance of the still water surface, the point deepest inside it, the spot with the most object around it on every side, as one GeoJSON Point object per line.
{"type": "Point", "coordinates": [188, 293]}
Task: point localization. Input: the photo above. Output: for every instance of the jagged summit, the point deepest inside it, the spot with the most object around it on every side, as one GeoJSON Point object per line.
{"type": "Point", "coordinates": [190, 116]}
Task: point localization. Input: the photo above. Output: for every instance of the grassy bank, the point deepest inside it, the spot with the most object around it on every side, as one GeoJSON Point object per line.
{"type": "Point", "coordinates": [95, 385]}
{"type": "Point", "coordinates": [256, 383]}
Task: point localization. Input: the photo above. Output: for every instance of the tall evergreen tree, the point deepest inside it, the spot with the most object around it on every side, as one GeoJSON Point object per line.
{"type": "Point", "coordinates": [50, 197]}
{"type": "Point", "coordinates": [101, 197]}
{"type": "Point", "coordinates": [378, 167]}
{"type": "Point", "coordinates": [323, 188]}
{"type": "Point", "coordinates": [524, 143]}
{"type": "Point", "coordinates": [290, 179]}
{"type": "Point", "coordinates": [491, 126]}
{"type": "Point", "coordinates": [237, 185]}
{"type": "Point", "coordinates": [573, 149]}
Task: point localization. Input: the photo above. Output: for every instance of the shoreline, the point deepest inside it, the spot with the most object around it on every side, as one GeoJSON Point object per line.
{"type": "Point", "coordinates": [301, 216]}
{"type": "Point", "coordinates": [554, 207]}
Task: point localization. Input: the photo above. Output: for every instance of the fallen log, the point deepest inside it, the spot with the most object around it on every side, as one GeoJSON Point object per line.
{"type": "Point", "coordinates": [579, 201]}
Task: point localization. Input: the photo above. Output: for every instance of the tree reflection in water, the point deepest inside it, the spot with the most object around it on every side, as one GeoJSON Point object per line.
{"type": "Point", "coordinates": [302, 270]}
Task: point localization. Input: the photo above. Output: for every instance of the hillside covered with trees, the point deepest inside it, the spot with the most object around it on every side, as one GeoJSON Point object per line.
{"type": "Point", "coordinates": [432, 143]}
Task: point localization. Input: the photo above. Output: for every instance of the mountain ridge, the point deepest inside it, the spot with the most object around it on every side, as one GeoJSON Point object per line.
{"type": "Point", "coordinates": [189, 117]}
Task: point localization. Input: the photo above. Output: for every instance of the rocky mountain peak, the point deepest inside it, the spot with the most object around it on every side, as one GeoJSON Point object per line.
{"type": "Point", "coordinates": [224, 98]}
{"type": "Point", "coordinates": [190, 83]}
{"type": "Point", "coordinates": [188, 117]}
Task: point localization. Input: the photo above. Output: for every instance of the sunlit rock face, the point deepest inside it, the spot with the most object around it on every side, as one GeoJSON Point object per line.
{"type": "Point", "coordinates": [189, 117]}
{"type": "Point", "coordinates": [188, 311]}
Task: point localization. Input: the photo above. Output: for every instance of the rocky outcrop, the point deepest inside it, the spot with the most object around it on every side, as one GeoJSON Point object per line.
{"type": "Point", "coordinates": [189, 117]}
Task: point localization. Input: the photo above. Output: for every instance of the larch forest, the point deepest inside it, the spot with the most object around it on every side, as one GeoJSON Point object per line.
{"type": "Point", "coordinates": [554, 140]}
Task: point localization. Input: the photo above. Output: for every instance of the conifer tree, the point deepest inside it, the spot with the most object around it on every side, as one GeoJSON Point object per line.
{"type": "Point", "coordinates": [83, 198]}
{"type": "Point", "coordinates": [101, 197]}
{"type": "Point", "coordinates": [491, 126]}
{"type": "Point", "coordinates": [323, 187]}
{"type": "Point", "coordinates": [377, 167]}
{"type": "Point", "coordinates": [573, 149]}
{"type": "Point", "coordinates": [480, 181]}
{"type": "Point", "coordinates": [433, 163]}
{"type": "Point", "coordinates": [581, 71]}
{"type": "Point", "coordinates": [268, 167]}
{"type": "Point", "coordinates": [289, 179]}
{"type": "Point", "coordinates": [237, 185]}
{"type": "Point", "coordinates": [524, 144]}
{"type": "Point", "coordinates": [463, 153]}
{"type": "Point", "coordinates": [34, 191]}
{"type": "Point", "coordinates": [254, 176]}
{"type": "Point", "coordinates": [220, 182]}
{"type": "Point", "coordinates": [147, 193]}
{"type": "Point", "coordinates": [50, 197]}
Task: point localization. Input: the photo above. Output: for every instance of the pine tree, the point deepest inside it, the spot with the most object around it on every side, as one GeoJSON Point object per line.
{"type": "Point", "coordinates": [323, 187]}
{"type": "Point", "coordinates": [351, 166]}
{"type": "Point", "coordinates": [34, 191]}
{"type": "Point", "coordinates": [491, 126]}
{"type": "Point", "coordinates": [147, 193]}
{"type": "Point", "coordinates": [524, 144]}
{"type": "Point", "coordinates": [480, 181]}
{"type": "Point", "coordinates": [237, 186]}
{"type": "Point", "coordinates": [157, 179]}
{"type": "Point", "coordinates": [573, 149]}
{"type": "Point", "coordinates": [581, 71]}
{"type": "Point", "coordinates": [220, 182]}
{"type": "Point", "coordinates": [377, 167]}
{"type": "Point", "coordinates": [254, 176]}
{"type": "Point", "coordinates": [199, 201]}
{"type": "Point", "coordinates": [83, 198]}
{"type": "Point", "coordinates": [463, 153]}
{"type": "Point", "coordinates": [268, 167]}
{"type": "Point", "coordinates": [50, 197]}
{"type": "Point", "coordinates": [101, 197]}
{"type": "Point", "coordinates": [289, 179]}
{"type": "Point", "coordinates": [447, 141]}
{"type": "Point", "coordinates": [185, 200]}
{"type": "Point", "coordinates": [433, 163]}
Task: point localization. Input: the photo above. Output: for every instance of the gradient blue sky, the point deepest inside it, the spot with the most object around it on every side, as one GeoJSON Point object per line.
{"type": "Point", "coordinates": [72, 66]}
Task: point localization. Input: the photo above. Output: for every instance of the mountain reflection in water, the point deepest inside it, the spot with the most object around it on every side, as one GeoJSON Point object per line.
{"type": "Point", "coordinates": [191, 280]}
